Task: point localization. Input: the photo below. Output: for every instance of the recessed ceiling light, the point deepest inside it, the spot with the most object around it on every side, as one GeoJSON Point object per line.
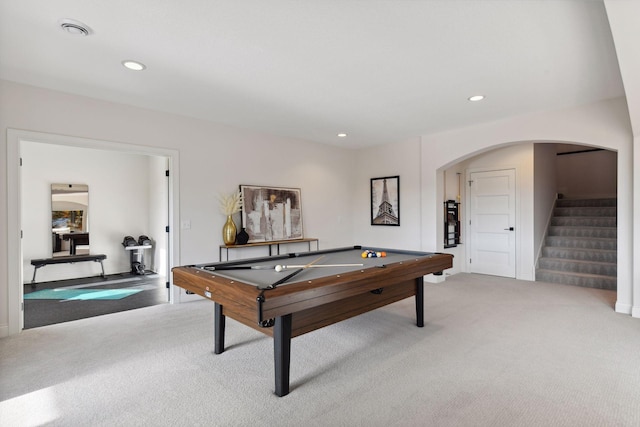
{"type": "Point", "coordinates": [342, 135]}
{"type": "Point", "coordinates": [476, 98]}
{"type": "Point", "coordinates": [134, 65]}
{"type": "Point", "coordinates": [74, 27]}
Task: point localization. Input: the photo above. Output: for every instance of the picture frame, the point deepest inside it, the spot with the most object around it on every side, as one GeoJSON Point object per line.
{"type": "Point", "coordinates": [385, 201]}
{"type": "Point", "coordinates": [271, 213]}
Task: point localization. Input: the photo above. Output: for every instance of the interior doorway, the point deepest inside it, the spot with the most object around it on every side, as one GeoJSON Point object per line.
{"type": "Point", "coordinates": [492, 211]}
{"type": "Point", "coordinates": [86, 195]}
{"type": "Point", "coordinates": [167, 239]}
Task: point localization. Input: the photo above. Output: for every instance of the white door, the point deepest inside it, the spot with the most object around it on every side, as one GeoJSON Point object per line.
{"type": "Point", "coordinates": [492, 223]}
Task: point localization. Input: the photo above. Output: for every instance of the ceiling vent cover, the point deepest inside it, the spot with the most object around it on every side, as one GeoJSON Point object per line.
{"type": "Point", "coordinates": [74, 27]}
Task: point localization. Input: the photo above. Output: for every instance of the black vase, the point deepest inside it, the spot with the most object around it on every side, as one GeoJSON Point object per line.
{"type": "Point", "coordinates": [243, 237]}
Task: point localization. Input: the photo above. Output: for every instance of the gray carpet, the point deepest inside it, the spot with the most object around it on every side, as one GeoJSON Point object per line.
{"type": "Point", "coordinates": [493, 352]}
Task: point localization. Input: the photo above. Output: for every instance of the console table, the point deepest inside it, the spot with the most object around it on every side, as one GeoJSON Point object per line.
{"type": "Point", "coordinates": [75, 240]}
{"type": "Point", "coordinates": [270, 245]}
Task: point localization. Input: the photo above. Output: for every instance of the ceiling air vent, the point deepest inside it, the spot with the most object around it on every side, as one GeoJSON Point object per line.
{"type": "Point", "coordinates": [74, 27]}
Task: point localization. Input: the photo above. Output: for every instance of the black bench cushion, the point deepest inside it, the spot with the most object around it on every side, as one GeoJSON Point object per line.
{"type": "Point", "coordinates": [67, 259]}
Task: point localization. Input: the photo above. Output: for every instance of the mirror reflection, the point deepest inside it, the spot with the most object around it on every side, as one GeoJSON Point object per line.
{"type": "Point", "coordinates": [69, 219]}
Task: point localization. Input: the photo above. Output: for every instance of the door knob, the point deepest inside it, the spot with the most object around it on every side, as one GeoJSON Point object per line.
{"type": "Point", "coordinates": [509, 229]}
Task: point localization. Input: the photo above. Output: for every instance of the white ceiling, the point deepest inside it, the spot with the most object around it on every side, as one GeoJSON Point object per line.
{"type": "Point", "coordinates": [381, 71]}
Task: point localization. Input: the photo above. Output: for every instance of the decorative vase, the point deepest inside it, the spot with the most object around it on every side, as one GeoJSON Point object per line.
{"type": "Point", "coordinates": [229, 231]}
{"type": "Point", "coordinates": [243, 237]}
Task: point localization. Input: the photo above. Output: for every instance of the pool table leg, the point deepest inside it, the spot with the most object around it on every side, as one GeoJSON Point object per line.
{"type": "Point", "coordinates": [218, 326]}
{"type": "Point", "coordinates": [420, 301]}
{"type": "Point", "coordinates": [282, 353]}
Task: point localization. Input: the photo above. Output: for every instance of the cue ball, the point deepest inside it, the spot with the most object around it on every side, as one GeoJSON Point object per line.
{"type": "Point", "coordinates": [278, 268]}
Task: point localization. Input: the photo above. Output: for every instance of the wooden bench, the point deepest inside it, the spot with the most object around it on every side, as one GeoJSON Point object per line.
{"type": "Point", "coordinates": [37, 263]}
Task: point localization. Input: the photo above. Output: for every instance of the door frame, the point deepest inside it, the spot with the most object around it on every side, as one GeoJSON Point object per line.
{"type": "Point", "coordinates": [468, 213]}
{"type": "Point", "coordinates": [14, 214]}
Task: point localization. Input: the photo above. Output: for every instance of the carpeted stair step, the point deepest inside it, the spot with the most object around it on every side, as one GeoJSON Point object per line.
{"type": "Point", "coordinates": [596, 255]}
{"type": "Point", "coordinates": [578, 266]}
{"type": "Point", "coordinates": [572, 221]}
{"type": "Point", "coordinates": [565, 203]}
{"type": "Point", "coordinates": [573, 231]}
{"type": "Point", "coordinates": [585, 211]}
{"type": "Point", "coordinates": [576, 279]}
{"type": "Point", "coordinates": [582, 242]}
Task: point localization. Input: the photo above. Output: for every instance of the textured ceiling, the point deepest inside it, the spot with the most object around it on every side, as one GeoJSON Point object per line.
{"type": "Point", "coordinates": [381, 71]}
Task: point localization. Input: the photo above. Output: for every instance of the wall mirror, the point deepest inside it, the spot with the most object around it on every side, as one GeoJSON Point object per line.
{"type": "Point", "coordinates": [69, 219]}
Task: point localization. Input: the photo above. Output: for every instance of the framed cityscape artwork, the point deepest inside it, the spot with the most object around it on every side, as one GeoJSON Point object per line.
{"type": "Point", "coordinates": [271, 213]}
{"type": "Point", "coordinates": [385, 201]}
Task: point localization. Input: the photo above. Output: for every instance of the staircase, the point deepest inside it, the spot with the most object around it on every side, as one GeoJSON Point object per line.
{"type": "Point", "coordinates": [581, 244]}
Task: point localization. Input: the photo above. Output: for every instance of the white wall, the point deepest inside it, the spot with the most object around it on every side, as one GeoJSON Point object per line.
{"type": "Point", "coordinates": [636, 230]}
{"type": "Point", "coordinates": [114, 211]}
{"type": "Point", "coordinates": [213, 159]}
{"type": "Point", "coordinates": [402, 159]}
{"type": "Point", "coordinates": [545, 188]}
{"type": "Point", "coordinates": [600, 179]}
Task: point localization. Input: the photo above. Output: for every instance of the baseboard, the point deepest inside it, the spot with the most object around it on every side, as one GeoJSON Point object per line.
{"type": "Point", "coordinates": [635, 312]}
{"type": "Point", "coordinates": [626, 309]}
{"type": "Point", "coordinates": [4, 331]}
{"type": "Point", "coordinates": [431, 278]}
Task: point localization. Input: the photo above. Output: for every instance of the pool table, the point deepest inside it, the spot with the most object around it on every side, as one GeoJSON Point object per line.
{"type": "Point", "coordinates": [311, 290]}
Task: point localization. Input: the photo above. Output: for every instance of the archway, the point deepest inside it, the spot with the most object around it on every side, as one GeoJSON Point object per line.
{"type": "Point", "coordinates": [598, 125]}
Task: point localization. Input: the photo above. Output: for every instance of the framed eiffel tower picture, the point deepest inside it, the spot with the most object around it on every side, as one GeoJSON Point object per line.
{"type": "Point", "coordinates": [385, 201]}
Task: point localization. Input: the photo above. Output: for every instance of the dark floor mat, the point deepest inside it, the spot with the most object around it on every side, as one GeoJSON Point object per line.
{"type": "Point", "coordinates": [149, 290]}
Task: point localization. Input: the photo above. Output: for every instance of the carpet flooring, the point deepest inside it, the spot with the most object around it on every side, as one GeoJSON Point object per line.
{"type": "Point", "coordinates": [66, 300]}
{"type": "Point", "coordinates": [493, 352]}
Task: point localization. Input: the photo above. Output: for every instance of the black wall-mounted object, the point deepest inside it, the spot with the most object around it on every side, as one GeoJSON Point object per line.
{"type": "Point", "coordinates": [451, 224]}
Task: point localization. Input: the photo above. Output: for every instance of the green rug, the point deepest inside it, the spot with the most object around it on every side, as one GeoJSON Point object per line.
{"type": "Point", "coordinates": [81, 294]}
